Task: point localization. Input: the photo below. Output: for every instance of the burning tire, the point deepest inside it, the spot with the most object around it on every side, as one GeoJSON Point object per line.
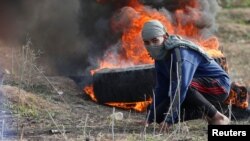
{"type": "Point", "coordinates": [222, 61]}
{"type": "Point", "coordinates": [124, 84]}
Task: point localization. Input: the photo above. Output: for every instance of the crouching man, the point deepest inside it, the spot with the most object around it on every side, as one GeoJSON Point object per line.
{"type": "Point", "coordinates": [186, 78]}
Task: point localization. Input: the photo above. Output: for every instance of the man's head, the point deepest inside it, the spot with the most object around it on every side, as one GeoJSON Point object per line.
{"type": "Point", "coordinates": [153, 29]}
{"type": "Point", "coordinates": [153, 34]}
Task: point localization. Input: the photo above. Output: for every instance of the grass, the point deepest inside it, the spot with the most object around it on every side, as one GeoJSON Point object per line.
{"type": "Point", "coordinates": [242, 21]}
{"type": "Point", "coordinates": [30, 105]}
{"type": "Point", "coordinates": [234, 3]}
{"type": "Point", "coordinates": [25, 111]}
{"type": "Point", "coordinates": [22, 103]}
{"type": "Point", "coordinates": [184, 134]}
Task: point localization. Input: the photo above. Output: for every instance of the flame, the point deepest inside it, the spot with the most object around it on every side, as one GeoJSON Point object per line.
{"type": "Point", "coordinates": [138, 106]}
{"type": "Point", "coordinates": [131, 51]}
{"type": "Point", "coordinates": [90, 91]}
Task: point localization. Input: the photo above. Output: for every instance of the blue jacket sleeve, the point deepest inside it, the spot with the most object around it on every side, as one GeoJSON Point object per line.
{"type": "Point", "coordinates": [186, 67]}
{"type": "Point", "coordinates": [161, 93]}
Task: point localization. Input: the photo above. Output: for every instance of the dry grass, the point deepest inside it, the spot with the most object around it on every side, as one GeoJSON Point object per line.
{"type": "Point", "coordinates": [31, 103]}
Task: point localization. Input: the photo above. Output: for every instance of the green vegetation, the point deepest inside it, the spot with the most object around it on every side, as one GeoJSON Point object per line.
{"type": "Point", "coordinates": [23, 109]}
{"type": "Point", "coordinates": [234, 3]}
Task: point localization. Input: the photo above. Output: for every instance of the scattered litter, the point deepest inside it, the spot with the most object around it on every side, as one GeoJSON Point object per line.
{"type": "Point", "coordinates": [117, 116]}
{"type": "Point", "coordinates": [60, 92]}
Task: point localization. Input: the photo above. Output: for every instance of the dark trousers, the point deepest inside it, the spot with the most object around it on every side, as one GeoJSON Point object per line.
{"type": "Point", "coordinates": [204, 98]}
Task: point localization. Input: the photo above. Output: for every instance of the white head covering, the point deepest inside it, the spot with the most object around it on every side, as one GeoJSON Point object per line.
{"type": "Point", "coordinates": [152, 29]}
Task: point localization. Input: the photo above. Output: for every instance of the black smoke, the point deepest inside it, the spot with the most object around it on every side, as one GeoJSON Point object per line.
{"type": "Point", "coordinates": [73, 34]}
{"type": "Point", "coordinates": [207, 11]}
{"type": "Point", "coordinates": [52, 25]}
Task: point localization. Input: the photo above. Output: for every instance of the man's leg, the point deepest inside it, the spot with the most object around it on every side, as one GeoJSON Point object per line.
{"type": "Point", "coordinates": [211, 89]}
{"type": "Point", "coordinates": [198, 103]}
{"type": "Point", "coordinates": [196, 106]}
{"type": "Point", "coordinates": [161, 110]}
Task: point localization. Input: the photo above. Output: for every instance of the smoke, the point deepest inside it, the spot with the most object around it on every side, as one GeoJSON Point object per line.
{"type": "Point", "coordinates": [74, 34]}
{"type": "Point", "coordinates": [209, 10]}
{"type": "Point", "coordinates": [206, 9]}
{"type": "Point", "coordinates": [121, 14]}
{"type": "Point", "coordinates": [53, 28]}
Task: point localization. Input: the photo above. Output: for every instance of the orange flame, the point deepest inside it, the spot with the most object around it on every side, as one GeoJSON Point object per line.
{"type": "Point", "coordinates": [138, 106]}
{"type": "Point", "coordinates": [131, 21]}
{"type": "Point", "coordinates": [131, 51]}
{"type": "Point", "coordinates": [90, 91]}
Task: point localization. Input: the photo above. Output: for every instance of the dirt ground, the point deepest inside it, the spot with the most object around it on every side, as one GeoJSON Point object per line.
{"type": "Point", "coordinates": [55, 108]}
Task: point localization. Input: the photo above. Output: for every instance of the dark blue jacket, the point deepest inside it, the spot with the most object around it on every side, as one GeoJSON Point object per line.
{"type": "Point", "coordinates": [193, 65]}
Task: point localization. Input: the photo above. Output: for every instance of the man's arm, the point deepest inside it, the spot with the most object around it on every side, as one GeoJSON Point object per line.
{"type": "Point", "coordinates": [161, 95]}
{"type": "Point", "coordinates": [185, 69]}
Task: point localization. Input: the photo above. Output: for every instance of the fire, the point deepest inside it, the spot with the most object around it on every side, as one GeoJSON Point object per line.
{"type": "Point", "coordinates": [138, 106]}
{"type": "Point", "coordinates": [90, 91]}
{"type": "Point", "coordinates": [211, 46]}
{"type": "Point", "coordinates": [131, 51]}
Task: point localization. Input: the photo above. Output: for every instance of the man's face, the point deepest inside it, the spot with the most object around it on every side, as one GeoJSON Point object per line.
{"type": "Point", "coordinates": [154, 41]}
{"type": "Point", "coordinates": [155, 47]}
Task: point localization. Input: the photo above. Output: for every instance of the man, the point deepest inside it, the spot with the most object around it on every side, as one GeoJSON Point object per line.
{"type": "Point", "coordinates": [186, 78]}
